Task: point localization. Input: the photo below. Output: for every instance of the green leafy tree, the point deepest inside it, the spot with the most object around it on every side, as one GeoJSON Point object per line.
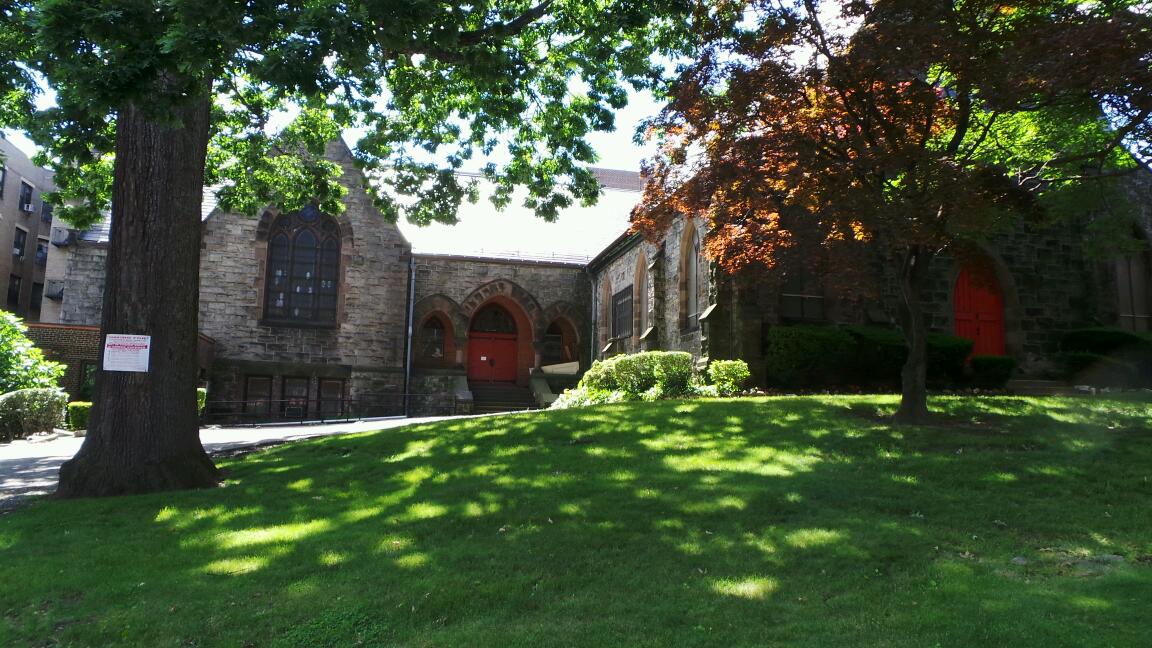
{"type": "Point", "coordinates": [155, 97]}
{"type": "Point", "coordinates": [22, 364]}
{"type": "Point", "coordinates": [843, 131]}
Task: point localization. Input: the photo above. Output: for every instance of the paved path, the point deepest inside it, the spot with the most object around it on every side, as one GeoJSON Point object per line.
{"type": "Point", "coordinates": [28, 469]}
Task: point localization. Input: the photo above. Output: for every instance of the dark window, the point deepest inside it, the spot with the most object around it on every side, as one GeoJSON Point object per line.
{"type": "Point", "coordinates": [37, 299]}
{"type": "Point", "coordinates": [46, 212]}
{"type": "Point", "coordinates": [554, 350]}
{"type": "Point", "coordinates": [622, 313]}
{"type": "Point", "coordinates": [87, 381]}
{"type": "Point", "coordinates": [42, 252]}
{"type": "Point", "coordinates": [493, 318]}
{"type": "Point", "coordinates": [432, 339]}
{"type": "Point", "coordinates": [294, 398]}
{"type": "Point", "coordinates": [19, 242]}
{"type": "Point", "coordinates": [258, 395]}
{"type": "Point", "coordinates": [25, 195]}
{"type": "Point", "coordinates": [3, 177]}
{"type": "Point", "coordinates": [303, 269]}
{"type": "Point", "coordinates": [331, 398]}
{"type": "Point", "coordinates": [13, 292]}
{"type": "Point", "coordinates": [801, 299]}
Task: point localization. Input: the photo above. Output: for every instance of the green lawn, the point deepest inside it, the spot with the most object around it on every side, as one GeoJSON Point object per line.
{"type": "Point", "coordinates": [779, 521]}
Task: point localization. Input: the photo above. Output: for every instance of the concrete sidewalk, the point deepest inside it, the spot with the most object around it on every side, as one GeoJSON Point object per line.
{"type": "Point", "coordinates": [29, 469]}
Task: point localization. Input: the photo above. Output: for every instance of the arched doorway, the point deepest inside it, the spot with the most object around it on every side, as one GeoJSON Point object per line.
{"type": "Point", "coordinates": [979, 309]}
{"type": "Point", "coordinates": [492, 342]}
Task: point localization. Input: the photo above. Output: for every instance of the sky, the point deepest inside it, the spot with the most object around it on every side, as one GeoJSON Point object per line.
{"type": "Point", "coordinates": [579, 232]}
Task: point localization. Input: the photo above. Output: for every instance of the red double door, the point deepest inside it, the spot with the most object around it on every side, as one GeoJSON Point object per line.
{"type": "Point", "coordinates": [492, 357]}
{"type": "Point", "coordinates": [979, 311]}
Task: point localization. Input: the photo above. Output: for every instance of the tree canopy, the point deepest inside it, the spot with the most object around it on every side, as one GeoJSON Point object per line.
{"type": "Point", "coordinates": [428, 86]}
{"type": "Point", "coordinates": [901, 128]}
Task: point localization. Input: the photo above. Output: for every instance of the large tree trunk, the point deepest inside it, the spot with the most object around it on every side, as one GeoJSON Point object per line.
{"type": "Point", "coordinates": [914, 376]}
{"type": "Point", "coordinates": [143, 434]}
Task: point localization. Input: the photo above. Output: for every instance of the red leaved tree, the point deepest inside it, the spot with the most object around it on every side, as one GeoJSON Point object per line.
{"type": "Point", "coordinates": [895, 128]}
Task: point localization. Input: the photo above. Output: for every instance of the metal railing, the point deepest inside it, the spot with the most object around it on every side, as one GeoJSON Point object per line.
{"type": "Point", "coordinates": [255, 411]}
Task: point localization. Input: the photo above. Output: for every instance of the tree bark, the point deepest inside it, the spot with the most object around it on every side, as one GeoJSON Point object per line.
{"type": "Point", "coordinates": [143, 433]}
{"type": "Point", "coordinates": [914, 375]}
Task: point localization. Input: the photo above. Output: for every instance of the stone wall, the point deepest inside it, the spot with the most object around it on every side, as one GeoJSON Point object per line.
{"type": "Point", "coordinates": [536, 293]}
{"type": "Point", "coordinates": [83, 296]}
{"type": "Point", "coordinates": [366, 347]}
{"type": "Point", "coordinates": [658, 297]}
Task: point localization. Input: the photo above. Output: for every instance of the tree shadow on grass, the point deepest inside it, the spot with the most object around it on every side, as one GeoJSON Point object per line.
{"type": "Point", "coordinates": [745, 522]}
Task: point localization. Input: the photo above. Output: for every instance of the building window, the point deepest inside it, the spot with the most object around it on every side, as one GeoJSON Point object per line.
{"type": "Point", "coordinates": [493, 318]}
{"type": "Point", "coordinates": [46, 213]}
{"type": "Point", "coordinates": [258, 395]}
{"type": "Point", "coordinates": [19, 243]}
{"type": "Point", "coordinates": [303, 269]}
{"type": "Point", "coordinates": [559, 340]}
{"type": "Point", "coordinates": [42, 252]}
{"type": "Point", "coordinates": [294, 398]}
{"type": "Point", "coordinates": [331, 402]}
{"type": "Point", "coordinates": [432, 340]}
{"type": "Point", "coordinates": [3, 177]}
{"type": "Point", "coordinates": [13, 292]}
{"type": "Point", "coordinates": [1134, 290]}
{"type": "Point", "coordinates": [690, 279]}
{"type": "Point", "coordinates": [800, 299]}
{"type": "Point", "coordinates": [622, 313]}
{"type": "Point", "coordinates": [25, 196]}
{"type": "Point", "coordinates": [37, 299]}
{"type": "Point", "coordinates": [641, 282]}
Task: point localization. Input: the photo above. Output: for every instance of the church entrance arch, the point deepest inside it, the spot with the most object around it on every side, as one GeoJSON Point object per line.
{"type": "Point", "coordinates": [493, 339]}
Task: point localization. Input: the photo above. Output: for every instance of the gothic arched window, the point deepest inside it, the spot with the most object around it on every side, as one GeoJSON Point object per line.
{"type": "Point", "coordinates": [301, 286]}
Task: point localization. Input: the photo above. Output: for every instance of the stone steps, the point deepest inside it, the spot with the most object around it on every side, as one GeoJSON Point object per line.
{"type": "Point", "coordinates": [490, 398]}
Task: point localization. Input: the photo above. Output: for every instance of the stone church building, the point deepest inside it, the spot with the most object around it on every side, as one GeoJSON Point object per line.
{"type": "Point", "coordinates": [310, 315]}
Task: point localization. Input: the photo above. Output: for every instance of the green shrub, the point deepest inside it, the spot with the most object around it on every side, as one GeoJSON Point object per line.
{"type": "Point", "coordinates": [78, 415]}
{"type": "Point", "coordinates": [728, 376]}
{"type": "Point", "coordinates": [201, 399]}
{"type": "Point", "coordinates": [1102, 341]}
{"type": "Point", "coordinates": [878, 358]}
{"type": "Point", "coordinates": [992, 372]}
{"type": "Point", "coordinates": [601, 375]}
{"type": "Point", "coordinates": [583, 397]}
{"type": "Point", "coordinates": [25, 412]}
{"type": "Point", "coordinates": [22, 365]}
{"type": "Point", "coordinates": [807, 356]}
{"type": "Point", "coordinates": [674, 371]}
{"type": "Point", "coordinates": [635, 373]}
{"type": "Point", "coordinates": [947, 357]}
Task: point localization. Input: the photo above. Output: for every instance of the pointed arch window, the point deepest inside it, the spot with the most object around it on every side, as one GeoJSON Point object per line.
{"type": "Point", "coordinates": [302, 284]}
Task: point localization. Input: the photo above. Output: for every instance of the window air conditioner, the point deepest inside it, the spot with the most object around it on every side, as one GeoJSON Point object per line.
{"type": "Point", "coordinates": [62, 236]}
{"type": "Point", "coordinates": [27, 207]}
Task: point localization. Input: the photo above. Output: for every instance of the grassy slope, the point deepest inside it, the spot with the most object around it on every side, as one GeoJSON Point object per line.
{"type": "Point", "coordinates": [796, 521]}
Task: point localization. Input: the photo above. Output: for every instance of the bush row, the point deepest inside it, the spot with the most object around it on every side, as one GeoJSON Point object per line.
{"type": "Point", "coordinates": [652, 375]}
{"type": "Point", "coordinates": [25, 412]}
{"type": "Point", "coordinates": [78, 410]}
{"type": "Point", "coordinates": [867, 356]}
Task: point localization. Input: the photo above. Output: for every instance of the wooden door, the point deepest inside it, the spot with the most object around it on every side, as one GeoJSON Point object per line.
{"type": "Point", "coordinates": [979, 313]}
{"type": "Point", "coordinates": [492, 357]}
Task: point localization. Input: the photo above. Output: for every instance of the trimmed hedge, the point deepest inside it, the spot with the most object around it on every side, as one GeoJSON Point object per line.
{"type": "Point", "coordinates": [728, 376]}
{"type": "Point", "coordinates": [25, 412]}
{"type": "Point", "coordinates": [201, 399]}
{"type": "Point", "coordinates": [650, 375]}
{"type": "Point", "coordinates": [78, 415]}
{"type": "Point", "coordinates": [867, 356]}
{"type": "Point", "coordinates": [808, 356]}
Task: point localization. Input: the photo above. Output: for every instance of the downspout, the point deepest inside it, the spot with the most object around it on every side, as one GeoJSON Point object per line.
{"type": "Point", "coordinates": [408, 340]}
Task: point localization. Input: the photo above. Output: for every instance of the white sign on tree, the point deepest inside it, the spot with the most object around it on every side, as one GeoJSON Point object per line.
{"type": "Point", "coordinates": [126, 352]}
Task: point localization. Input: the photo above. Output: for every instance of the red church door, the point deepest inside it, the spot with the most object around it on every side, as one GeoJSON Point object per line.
{"type": "Point", "coordinates": [492, 343]}
{"type": "Point", "coordinates": [980, 311]}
